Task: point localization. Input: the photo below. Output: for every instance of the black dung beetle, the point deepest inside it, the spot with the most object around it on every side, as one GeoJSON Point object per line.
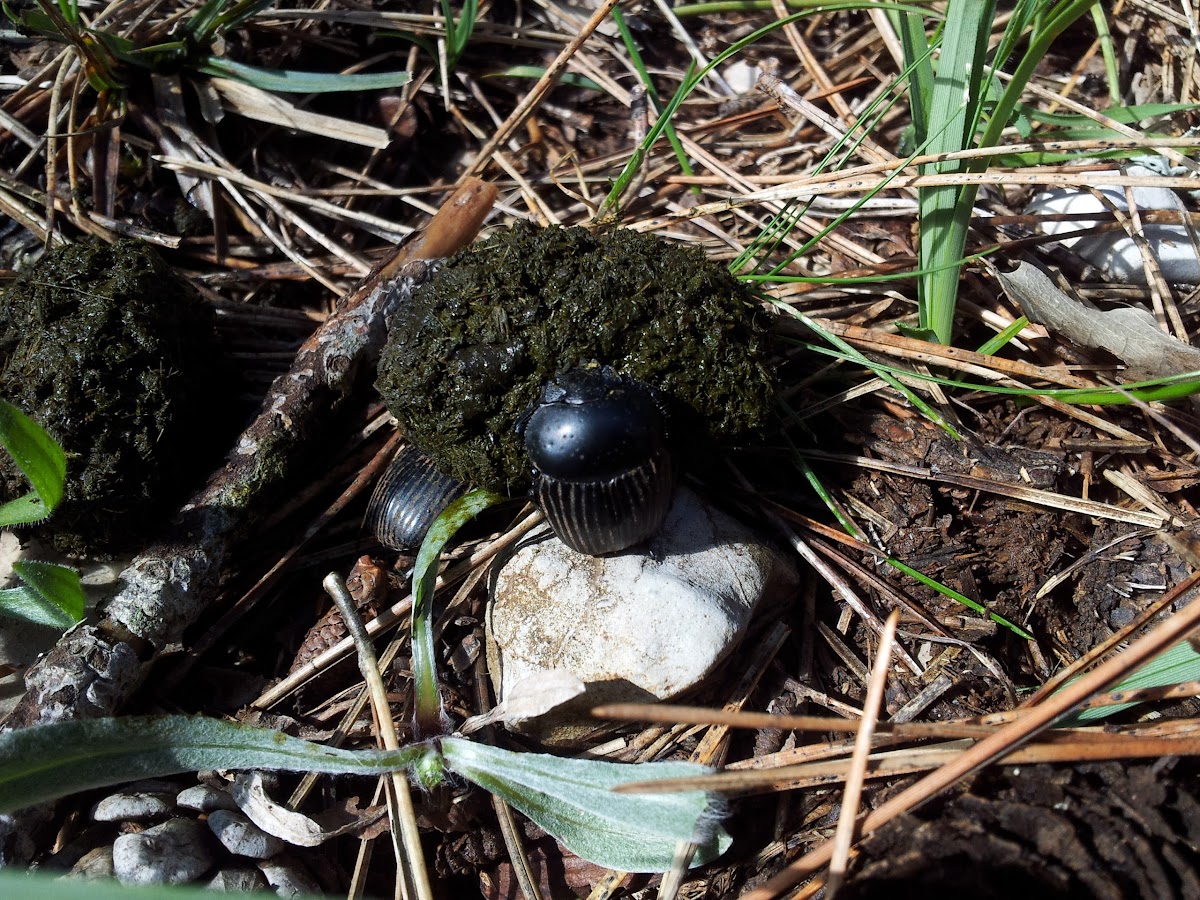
{"type": "Point", "coordinates": [407, 499]}
{"type": "Point", "coordinates": [602, 472]}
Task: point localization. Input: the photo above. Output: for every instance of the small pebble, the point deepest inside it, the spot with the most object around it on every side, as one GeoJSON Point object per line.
{"type": "Point", "coordinates": [134, 806]}
{"type": "Point", "coordinates": [741, 76]}
{"type": "Point", "coordinates": [237, 881]}
{"type": "Point", "coordinates": [94, 865]}
{"type": "Point", "coordinates": [204, 798]}
{"type": "Point", "coordinates": [1114, 252]}
{"type": "Point", "coordinates": [175, 852]}
{"type": "Point", "coordinates": [288, 877]}
{"type": "Point", "coordinates": [241, 836]}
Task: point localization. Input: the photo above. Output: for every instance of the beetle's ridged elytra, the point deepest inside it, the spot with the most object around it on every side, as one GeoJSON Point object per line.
{"type": "Point", "coordinates": [611, 514]}
{"type": "Point", "coordinates": [408, 498]}
{"type": "Point", "coordinates": [602, 471]}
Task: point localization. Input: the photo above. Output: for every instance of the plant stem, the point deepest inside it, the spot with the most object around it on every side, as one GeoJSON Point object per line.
{"type": "Point", "coordinates": [416, 875]}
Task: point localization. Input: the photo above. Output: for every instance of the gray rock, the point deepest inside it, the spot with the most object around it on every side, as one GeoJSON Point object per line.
{"type": "Point", "coordinates": [646, 624]}
{"type": "Point", "coordinates": [205, 798]}
{"type": "Point", "coordinates": [175, 852]}
{"type": "Point", "coordinates": [134, 806]}
{"type": "Point", "coordinates": [95, 865]}
{"type": "Point", "coordinates": [241, 836]}
{"type": "Point", "coordinates": [237, 881]}
{"type": "Point", "coordinates": [288, 878]}
{"type": "Point", "coordinates": [1114, 252]}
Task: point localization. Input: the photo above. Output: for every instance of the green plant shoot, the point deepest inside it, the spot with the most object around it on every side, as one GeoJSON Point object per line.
{"type": "Point", "coordinates": [428, 706]}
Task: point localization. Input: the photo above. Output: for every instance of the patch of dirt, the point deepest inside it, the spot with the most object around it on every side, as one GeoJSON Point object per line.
{"type": "Point", "coordinates": [1108, 831]}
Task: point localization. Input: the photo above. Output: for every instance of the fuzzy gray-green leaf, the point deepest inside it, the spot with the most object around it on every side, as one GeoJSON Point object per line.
{"type": "Point", "coordinates": [573, 799]}
{"type": "Point", "coordinates": [50, 761]}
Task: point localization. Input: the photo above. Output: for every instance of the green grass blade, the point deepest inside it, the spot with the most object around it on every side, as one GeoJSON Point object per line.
{"type": "Point", "coordinates": [883, 372]}
{"type": "Point", "coordinates": [1108, 50]}
{"type": "Point", "coordinates": [535, 72]}
{"type": "Point", "coordinates": [291, 81]}
{"type": "Point", "coordinates": [424, 657]}
{"type": "Point", "coordinates": [955, 595]}
{"type": "Point", "coordinates": [917, 55]}
{"type": "Point", "coordinates": [1174, 666]}
{"type": "Point", "coordinates": [952, 113]}
{"type": "Point", "coordinates": [1165, 389]}
{"type": "Point", "coordinates": [40, 458]}
{"type": "Point", "coordinates": [1001, 340]}
{"type": "Point", "coordinates": [851, 529]}
{"type": "Point", "coordinates": [635, 56]}
{"type": "Point", "coordinates": [1057, 20]}
{"type": "Point", "coordinates": [694, 76]}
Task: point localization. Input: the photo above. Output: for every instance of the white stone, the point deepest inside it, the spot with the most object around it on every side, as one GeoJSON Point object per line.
{"type": "Point", "coordinates": [205, 798]}
{"type": "Point", "coordinates": [134, 806]}
{"type": "Point", "coordinates": [241, 836]}
{"type": "Point", "coordinates": [1114, 252]}
{"type": "Point", "coordinates": [237, 881]}
{"type": "Point", "coordinates": [642, 625]}
{"type": "Point", "coordinates": [288, 878]}
{"type": "Point", "coordinates": [741, 76]}
{"type": "Point", "coordinates": [174, 852]}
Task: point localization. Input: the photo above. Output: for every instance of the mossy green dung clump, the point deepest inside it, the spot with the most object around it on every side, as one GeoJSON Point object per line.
{"type": "Point", "coordinates": [113, 355]}
{"type": "Point", "coordinates": [471, 351]}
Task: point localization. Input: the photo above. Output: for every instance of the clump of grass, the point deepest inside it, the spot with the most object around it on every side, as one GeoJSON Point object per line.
{"type": "Point", "coordinates": [959, 101]}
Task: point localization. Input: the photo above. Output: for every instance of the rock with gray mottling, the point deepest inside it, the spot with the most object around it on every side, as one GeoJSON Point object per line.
{"type": "Point", "coordinates": [645, 624]}
{"type": "Point", "coordinates": [288, 878]}
{"type": "Point", "coordinates": [241, 836]}
{"type": "Point", "coordinates": [237, 881]}
{"type": "Point", "coordinates": [94, 865]}
{"type": "Point", "coordinates": [175, 852]}
{"type": "Point", "coordinates": [135, 806]}
{"type": "Point", "coordinates": [205, 798]}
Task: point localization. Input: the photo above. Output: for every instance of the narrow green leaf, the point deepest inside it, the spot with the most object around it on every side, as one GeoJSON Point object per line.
{"type": "Point", "coordinates": [424, 657]}
{"type": "Point", "coordinates": [882, 371]}
{"type": "Point", "coordinates": [573, 799]}
{"type": "Point", "coordinates": [997, 343]}
{"type": "Point", "coordinates": [579, 81]}
{"type": "Point", "coordinates": [1157, 390]}
{"type": "Point", "coordinates": [1126, 115]}
{"type": "Point", "coordinates": [1174, 666]}
{"type": "Point", "coordinates": [291, 81]}
{"type": "Point", "coordinates": [960, 598]}
{"type": "Point", "coordinates": [50, 761]}
{"type": "Point", "coordinates": [58, 585]}
{"type": "Point", "coordinates": [911, 29]}
{"type": "Point", "coordinates": [238, 14]}
{"type": "Point", "coordinates": [952, 113]}
{"type": "Point", "coordinates": [37, 455]}
{"type": "Point", "coordinates": [635, 56]}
